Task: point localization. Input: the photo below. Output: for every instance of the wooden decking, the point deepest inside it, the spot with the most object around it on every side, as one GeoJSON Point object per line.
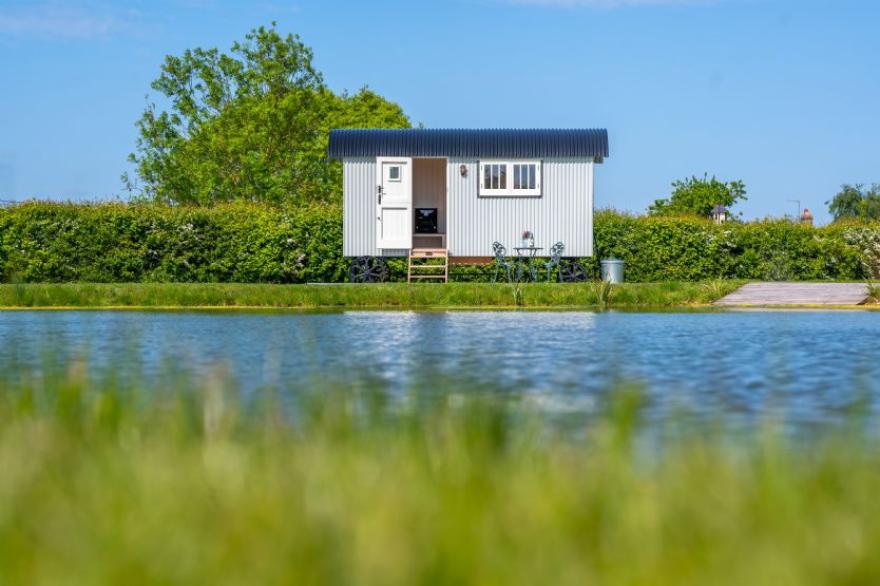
{"type": "Point", "coordinates": [421, 268]}
{"type": "Point", "coordinates": [794, 294]}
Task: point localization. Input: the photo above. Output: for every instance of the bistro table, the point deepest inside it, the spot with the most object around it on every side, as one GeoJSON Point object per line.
{"type": "Point", "coordinates": [524, 261]}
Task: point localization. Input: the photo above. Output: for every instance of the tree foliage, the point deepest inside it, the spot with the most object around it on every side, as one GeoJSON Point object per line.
{"type": "Point", "coordinates": [856, 202]}
{"type": "Point", "coordinates": [698, 196]}
{"type": "Point", "coordinates": [251, 125]}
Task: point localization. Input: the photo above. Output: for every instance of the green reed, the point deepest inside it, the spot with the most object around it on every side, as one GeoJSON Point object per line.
{"type": "Point", "coordinates": [107, 480]}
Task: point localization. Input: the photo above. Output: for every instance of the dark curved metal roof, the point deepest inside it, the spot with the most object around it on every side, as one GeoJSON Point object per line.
{"type": "Point", "coordinates": [430, 142]}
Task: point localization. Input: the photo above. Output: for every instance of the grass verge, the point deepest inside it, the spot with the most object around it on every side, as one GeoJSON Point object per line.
{"type": "Point", "coordinates": [389, 295]}
{"type": "Point", "coordinates": [105, 483]}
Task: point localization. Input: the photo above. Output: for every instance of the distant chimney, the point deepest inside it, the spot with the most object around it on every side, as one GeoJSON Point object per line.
{"type": "Point", "coordinates": [719, 214]}
{"type": "Point", "coordinates": [807, 217]}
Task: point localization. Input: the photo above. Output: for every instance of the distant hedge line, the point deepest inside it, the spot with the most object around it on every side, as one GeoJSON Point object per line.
{"type": "Point", "coordinates": [115, 242]}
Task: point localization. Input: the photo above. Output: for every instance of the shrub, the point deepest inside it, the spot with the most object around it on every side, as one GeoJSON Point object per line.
{"type": "Point", "coordinates": [868, 243]}
{"type": "Point", "coordinates": [690, 248]}
{"type": "Point", "coordinates": [58, 242]}
{"type": "Point", "coordinates": [248, 243]}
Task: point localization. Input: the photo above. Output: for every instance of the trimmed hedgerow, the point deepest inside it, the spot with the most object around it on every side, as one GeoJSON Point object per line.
{"type": "Point", "coordinates": [690, 249]}
{"type": "Point", "coordinates": [59, 242]}
{"type": "Point", "coordinates": [117, 242]}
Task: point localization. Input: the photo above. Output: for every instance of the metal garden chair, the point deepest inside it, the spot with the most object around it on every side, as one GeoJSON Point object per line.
{"type": "Point", "coordinates": [501, 261]}
{"type": "Point", "coordinates": [555, 258]}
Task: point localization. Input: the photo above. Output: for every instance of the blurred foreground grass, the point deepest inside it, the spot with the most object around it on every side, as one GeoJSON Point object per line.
{"type": "Point", "coordinates": [387, 295]}
{"type": "Point", "coordinates": [108, 483]}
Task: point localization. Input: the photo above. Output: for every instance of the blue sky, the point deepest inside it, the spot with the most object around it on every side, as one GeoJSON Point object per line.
{"type": "Point", "coordinates": [781, 94]}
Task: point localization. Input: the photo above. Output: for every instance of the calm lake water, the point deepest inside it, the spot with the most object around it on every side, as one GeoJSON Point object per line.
{"type": "Point", "coordinates": [807, 365]}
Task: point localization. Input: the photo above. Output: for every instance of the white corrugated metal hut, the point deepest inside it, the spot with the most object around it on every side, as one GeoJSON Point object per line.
{"type": "Point", "coordinates": [463, 190]}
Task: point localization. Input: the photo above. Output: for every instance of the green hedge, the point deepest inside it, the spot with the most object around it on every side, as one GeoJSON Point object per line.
{"type": "Point", "coordinates": [689, 249]}
{"type": "Point", "coordinates": [55, 242]}
{"type": "Point", "coordinates": [115, 242]}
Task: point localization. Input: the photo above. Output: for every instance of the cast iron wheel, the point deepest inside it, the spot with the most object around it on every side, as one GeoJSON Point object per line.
{"type": "Point", "coordinates": [368, 269]}
{"type": "Point", "coordinates": [572, 272]}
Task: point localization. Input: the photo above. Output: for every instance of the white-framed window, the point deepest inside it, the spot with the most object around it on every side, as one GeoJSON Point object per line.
{"type": "Point", "coordinates": [510, 178]}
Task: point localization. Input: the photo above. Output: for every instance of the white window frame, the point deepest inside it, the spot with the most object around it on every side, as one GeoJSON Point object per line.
{"type": "Point", "coordinates": [509, 191]}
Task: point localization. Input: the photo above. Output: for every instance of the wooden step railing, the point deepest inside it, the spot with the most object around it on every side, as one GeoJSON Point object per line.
{"type": "Point", "coordinates": [421, 268]}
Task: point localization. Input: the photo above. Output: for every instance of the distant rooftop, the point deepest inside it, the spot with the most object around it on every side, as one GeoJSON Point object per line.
{"type": "Point", "coordinates": [468, 142]}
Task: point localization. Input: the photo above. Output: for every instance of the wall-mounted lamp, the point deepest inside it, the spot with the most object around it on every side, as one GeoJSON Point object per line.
{"type": "Point", "coordinates": [463, 170]}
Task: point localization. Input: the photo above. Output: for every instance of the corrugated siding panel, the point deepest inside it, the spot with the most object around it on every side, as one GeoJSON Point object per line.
{"type": "Point", "coordinates": [564, 212]}
{"type": "Point", "coordinates": [359, 209]}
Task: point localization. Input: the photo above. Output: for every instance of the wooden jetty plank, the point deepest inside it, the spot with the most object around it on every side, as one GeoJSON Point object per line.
{"type": "Point", "coordinates": [769, 294]}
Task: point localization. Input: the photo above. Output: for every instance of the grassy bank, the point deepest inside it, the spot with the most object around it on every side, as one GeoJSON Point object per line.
{"type": "Point", "coordinates": [389, 295]}
{"type": "Point", "coordinates": [109, 483]}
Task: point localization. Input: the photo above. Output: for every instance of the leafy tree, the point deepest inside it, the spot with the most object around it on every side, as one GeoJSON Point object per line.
{"type": "Point", "coordinates": [856, 201]}
{"type": "Point", "coordinates": [249, 125]}
{"type": "Point", "coordinates": [698, 196]}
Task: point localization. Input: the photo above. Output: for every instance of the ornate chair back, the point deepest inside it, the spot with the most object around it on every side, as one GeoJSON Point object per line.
{"type": "Point", "coordinates": [501, 261]}
{"type": "Point", "coordinates": [499, 251]}
{"type": "Point", "coordinates": [556, 252]}
{"type": "Point", "coordinates": [555, 258]}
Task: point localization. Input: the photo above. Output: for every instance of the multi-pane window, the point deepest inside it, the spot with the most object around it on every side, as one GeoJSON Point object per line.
{"type": "Point", "coordinates": [506, 178]}
{"type": "Point", "coordinates": [494, 176]}
{"type": "Point", "coordinates": [524, 175]}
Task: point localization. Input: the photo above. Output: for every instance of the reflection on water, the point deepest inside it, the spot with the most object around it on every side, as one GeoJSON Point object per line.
{"type": "Point", "coordinates": [806, 364]}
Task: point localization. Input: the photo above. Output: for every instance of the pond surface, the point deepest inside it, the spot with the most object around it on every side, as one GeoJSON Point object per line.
{"type": "Point", "coordinates": [808, 365]}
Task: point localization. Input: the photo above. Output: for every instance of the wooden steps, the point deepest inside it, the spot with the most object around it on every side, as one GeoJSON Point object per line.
{"type": "Point", "coordinates": [421, 268]}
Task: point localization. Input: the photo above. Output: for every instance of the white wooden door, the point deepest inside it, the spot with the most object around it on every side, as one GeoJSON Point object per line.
{"type": "Point", "coordinates": [394, 213]}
